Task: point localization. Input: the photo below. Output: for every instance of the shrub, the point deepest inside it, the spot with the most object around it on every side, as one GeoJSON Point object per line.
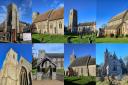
{"type": "Point", "coordinates": [126, 35]}
{"type": "Point", "coordinates": [111, 35]}
{"type": "Point", "coordinates": [116, 36]}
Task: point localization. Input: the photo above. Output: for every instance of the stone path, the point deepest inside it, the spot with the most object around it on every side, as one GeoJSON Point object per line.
{"type": "Point", "coordinates": [47, 82]}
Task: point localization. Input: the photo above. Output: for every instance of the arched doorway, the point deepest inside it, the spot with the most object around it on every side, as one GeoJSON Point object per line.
{"type": "Point", "coordinates": [23, 76]}
{"type": "Point", "coordinates": [30, 79]}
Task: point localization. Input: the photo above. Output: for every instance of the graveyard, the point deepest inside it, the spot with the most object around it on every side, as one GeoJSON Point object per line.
{"type": "Point", "coordinates": [48, 38]}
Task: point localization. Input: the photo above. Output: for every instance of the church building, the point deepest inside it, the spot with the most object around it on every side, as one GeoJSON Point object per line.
{"type": "Point", "coordinates": [83, 66]}
{"type": "Point", "coordinates": [81, 27]}
{"type": "Point", "coordinates": [14, 72]}
{"type": "Point", "coordinates": [112, 65]}
{"type": "Point", "coordinates": [118, 25]}
{"type": "Point", "coordinates": [12, 28]}
{"type": "Point", "coordinates": [50, 22]}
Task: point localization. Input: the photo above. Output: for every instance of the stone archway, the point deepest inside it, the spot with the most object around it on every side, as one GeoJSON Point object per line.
{"type": "Point", "coordinates": [30, 79]}
{"type": "Point", "coordinates": [23, 76]}
{"type": "Point", "coordinates": [48, 72]}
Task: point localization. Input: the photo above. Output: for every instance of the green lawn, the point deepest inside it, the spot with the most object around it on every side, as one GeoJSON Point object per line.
{"type": "Point", "coordinates": [112, 40]}
{"type": "Point", "coordinates": [84, 80]}
{"type": "Point", "coordinates": [45, 38]}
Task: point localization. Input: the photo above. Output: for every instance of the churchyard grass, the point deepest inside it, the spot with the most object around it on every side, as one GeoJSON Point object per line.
{"type": "Point", "coordinates": [112, 40]}
{"type": "Point", "coordinates": [46, 38]}
{"type": "Point", "coordinates": [82, 80]}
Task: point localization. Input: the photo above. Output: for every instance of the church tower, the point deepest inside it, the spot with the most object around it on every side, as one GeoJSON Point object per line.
{"type": "Point", "coordinates": [106, 57]}
{"type": "Point", "coordinates": [12, 22]}
{"type": "Point", "coordinates": [72, 26]}
{"type": "Point", "coordinates": [41, 54]}
{"type": "Point", "coordinates": [72, 57]}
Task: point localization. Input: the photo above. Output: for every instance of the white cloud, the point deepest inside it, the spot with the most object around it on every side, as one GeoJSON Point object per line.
{"type": "Point", "coordinates": [55, 3]}
{"type": "Point", "coordinates": [60, 5]}
{"type": "Point", "coordinates": [3, 13]}
{"type": "Point", "coordinates": [3, 8]}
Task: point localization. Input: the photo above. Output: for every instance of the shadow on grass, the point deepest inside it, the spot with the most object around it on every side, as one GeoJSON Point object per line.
{"type": "Point", "coordinates": [71, 83]}
{"type": "Point", "coordinates": [35, 40]}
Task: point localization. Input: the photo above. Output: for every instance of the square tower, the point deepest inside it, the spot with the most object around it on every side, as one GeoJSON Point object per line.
{"type": "Point", "coordinates": [72, 27]}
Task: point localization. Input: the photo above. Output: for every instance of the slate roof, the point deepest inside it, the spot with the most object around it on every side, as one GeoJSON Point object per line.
{"type": "Point", "coordinates": [82, 61]}
{"type": "Point", "coordinates": [51, 15]}
{"type": "Point", "coordinates": [87, 24]}
{"type": "Point", "coordinates": [55, 55]}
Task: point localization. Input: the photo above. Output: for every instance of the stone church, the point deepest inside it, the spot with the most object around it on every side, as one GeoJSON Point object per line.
{"type": "Point", "coordinates": [112, 65]}
{"type": "Point", "coordinates": [82, 27]}
{"type": "Point", "coordinates": [14, 72]}
{"type": "Point", "coordinates": [118, 25]}
{"type": "Point", "coordinates": [12, 27]}
{"type": "Point", "coordinates": [50, 22]}
{"type": "Point", "coordinates": [83, 66]}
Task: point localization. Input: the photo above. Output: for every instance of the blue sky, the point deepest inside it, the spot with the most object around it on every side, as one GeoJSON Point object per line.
{"type": "Point", "coordinates": [42, 6]}
{"type": "Point", "coordinates": [86, 10]}
{"type": "Point", "coordinates": [49, 48]}
{"type": "Point", "coordinates": [121, 51]}
{"type": "Point", "coordinates": [79, 50]}
{"type": "Point", "coordinates": [106, 9]}
{"type": "Point", "coordinates": [24, 8]}
{"type": "Point", "coordinates": [24, 50]}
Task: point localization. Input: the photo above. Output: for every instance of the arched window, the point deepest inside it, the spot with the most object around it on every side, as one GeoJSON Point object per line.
{"type": "Point", "coordinates": [13, 56]}
{"type": "Point", "coordinates": [51, 26]}
{"type": "Point", "coordinates": [60, 25]}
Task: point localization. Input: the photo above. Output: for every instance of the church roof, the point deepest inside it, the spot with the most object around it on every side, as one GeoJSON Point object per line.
{"type": "Point", "coordinates": [51, 15]}
{"type": "Point", "coordinates": [43, 17]}
{"type": "Point", "coordinates": [119, 16]}
{"type": "Point", "coordinates": [114, 26]}
{"type": "Point", "coordinates": [57, 14]}
{"type": "Point", "coordinates": [87, 24]}
{"type": "Point", "coordinates": [82, 61]}
{"type": "Point", "coordinates": [55, 55]}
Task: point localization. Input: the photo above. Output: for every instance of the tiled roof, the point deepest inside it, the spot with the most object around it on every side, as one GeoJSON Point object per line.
{"type": "Point", "coordinates": [57, 14]}
{"type": "Point", "coordinates": [43, 17]}
{"type": "Point", "coordinates": [51, 15]}
{"type": "Point", "coordinates": [82, 61]}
